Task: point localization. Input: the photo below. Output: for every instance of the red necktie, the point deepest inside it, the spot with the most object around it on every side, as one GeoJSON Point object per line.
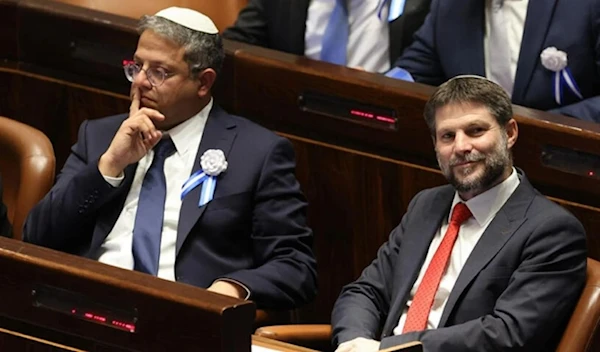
{"type": "Point", "coordinates": [418, 313]}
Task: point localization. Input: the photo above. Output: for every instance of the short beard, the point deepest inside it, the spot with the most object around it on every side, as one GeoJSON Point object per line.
{"type": "Point", "coordinates": [495, 164]}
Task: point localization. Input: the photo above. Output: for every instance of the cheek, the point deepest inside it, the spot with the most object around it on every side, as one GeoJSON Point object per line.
{"type": "Point", "coordinates": [443, 154]}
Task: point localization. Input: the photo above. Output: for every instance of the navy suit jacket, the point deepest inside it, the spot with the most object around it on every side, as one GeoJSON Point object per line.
{"type": "Point", "coordinates": [253, 231]}
{"type": "Point", "coordinates": [281, 25]}
{"type": "Point", "coordinates": [450, 43]}
{"type": "Point", "coordinates": [516, 291]}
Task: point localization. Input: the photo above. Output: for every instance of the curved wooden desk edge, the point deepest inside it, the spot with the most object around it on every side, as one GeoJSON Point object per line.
{"type": "Point", "coordinates": [277, 345]}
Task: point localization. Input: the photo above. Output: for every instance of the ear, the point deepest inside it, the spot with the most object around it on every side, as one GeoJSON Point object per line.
{"type": "Point", "coordinates": [512, 132]}
{"type": "Point", "coordinates": [206, 79]}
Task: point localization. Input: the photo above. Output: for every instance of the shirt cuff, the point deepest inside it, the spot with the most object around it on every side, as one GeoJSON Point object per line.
{"type": "Point", "coordinates": [239, 284]}
{"type": "Point", "coordinates": [400, 73]}
{"type": "Point", "coordinates": [114, 181]}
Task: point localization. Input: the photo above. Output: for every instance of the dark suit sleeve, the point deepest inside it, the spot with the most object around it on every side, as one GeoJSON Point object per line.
{"type": "Point", "coordinates": [539, 298]}
{"type": "Point", "coordinates": [587, 109]}
{"type": "Point", "coordinates": [282, 242]}
{"type": "Point", "coordinates": [362, 306]}
{"type": "Point", "coordinates": [421, 58]}
{"type": "Point", "coordinates": [65, 217]}
{"type": "Point", "coordinates": [5, 228]}
{"type": "Point", "coordinates": [250, 26]}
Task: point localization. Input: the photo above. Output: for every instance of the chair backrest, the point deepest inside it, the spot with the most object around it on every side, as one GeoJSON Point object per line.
{"type": "Point", "coordinates": [222, 12]}
{"type": "Point", "coordinates": [582, 333]}
{"type": "Point", "coordinates": [27, 166]}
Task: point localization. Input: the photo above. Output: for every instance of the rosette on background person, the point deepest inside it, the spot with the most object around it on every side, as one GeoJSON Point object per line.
{"type": "Point", "coordinates": [556, 61]}
{"type": "Point", "coordinates": [212, 164]}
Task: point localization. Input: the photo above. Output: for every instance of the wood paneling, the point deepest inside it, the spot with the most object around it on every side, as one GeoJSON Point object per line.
{"type": "Point", "coordinates": [170, 316]}
{"type": "Point", "coordinates": [358, 180]}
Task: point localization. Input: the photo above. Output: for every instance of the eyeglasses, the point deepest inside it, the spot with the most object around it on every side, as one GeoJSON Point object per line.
{"type": "Point", "coordinates": [156, 75]}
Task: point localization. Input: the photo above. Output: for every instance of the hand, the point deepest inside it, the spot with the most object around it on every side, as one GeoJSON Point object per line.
{"type": "Point", "coordinates": [359, 344]}
{"type": "Point", "coordinates": [228, 289]}
{"type": "Point", "coordinates": [136, 136]}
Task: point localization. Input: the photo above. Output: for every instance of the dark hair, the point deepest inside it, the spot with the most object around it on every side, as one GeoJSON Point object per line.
{"type": "Point", "coordinates": [202, 50]}
{"type": "Point", "coordinates": [470, 89]}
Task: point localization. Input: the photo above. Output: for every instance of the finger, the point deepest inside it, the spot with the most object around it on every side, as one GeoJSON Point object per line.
{"type": "Point", "coordinates": [149, 143]}
{"type": "Point", "coordinates": [135, 101]}
{"type": "Point", "coordinates": [143, 127]}
{"type": "Point", "coordinates": [139, 126]}
{"type": "Point", "coordinates": [152, 114]}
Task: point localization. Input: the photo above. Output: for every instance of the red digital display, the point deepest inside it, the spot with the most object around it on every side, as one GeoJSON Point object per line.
{"type": "Point", "coordinates": [105, 320]}
{"type": "Point", "coordinates": [369, 115]}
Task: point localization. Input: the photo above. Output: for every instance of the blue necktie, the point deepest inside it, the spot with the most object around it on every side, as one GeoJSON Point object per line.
{"type": "Point", "coordinates": [147, 230]}
{"type": "Point", "coordinates": [335, 38]}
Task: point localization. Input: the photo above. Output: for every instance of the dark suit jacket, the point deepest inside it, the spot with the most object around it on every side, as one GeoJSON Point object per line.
{"type": "Point", "coordinates": [516, 291]}
{"type": "Point", "coordinates": [253, 231]}
{"type": "Point", "coordinates": [450, 43]}
{"type": "Point", "coordinates": [281, 25]}
{"type": "Point", "coordinates": [5, 228]}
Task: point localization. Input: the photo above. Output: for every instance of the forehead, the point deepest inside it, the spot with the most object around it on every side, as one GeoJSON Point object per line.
{"type": "Point", "coordinates": [157, 49]}
{"type": "Point", "coordinates": [457, 115]}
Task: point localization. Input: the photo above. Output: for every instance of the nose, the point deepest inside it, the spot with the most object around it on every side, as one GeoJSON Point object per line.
{"type": "Point", "coordinates": [462, 143]}
{"type": "Point", "coordinates": [141, 79]}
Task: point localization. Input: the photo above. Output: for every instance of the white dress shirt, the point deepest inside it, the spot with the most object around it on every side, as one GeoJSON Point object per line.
{"type": "Point", "coordinates": [484, 208]}
{"type": "Point", "coordinates": [369, 37]}
{"type": "Point", "coordinates": [117, 247]}
{"type": "Point", "coordinates": [515, 12]}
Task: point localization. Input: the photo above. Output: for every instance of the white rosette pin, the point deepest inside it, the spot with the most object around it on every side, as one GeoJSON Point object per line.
{"type": "Point", "coordinates": [212, 164]}
{"type": "Point", "coordinates": [556, 61]}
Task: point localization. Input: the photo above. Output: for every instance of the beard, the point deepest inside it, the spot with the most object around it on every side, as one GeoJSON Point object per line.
{"type": "Point", "coordinates": [465, 180]}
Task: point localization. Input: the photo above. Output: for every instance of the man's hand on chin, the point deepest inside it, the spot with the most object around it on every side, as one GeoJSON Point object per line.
{"type": "Point", "coordinates": [359, 344]}
{"type": "Point", "coordinates": [228, 289]}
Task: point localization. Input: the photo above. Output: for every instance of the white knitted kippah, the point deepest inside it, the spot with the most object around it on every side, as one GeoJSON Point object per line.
{"type": "Point", "coordinates": [189, 18]}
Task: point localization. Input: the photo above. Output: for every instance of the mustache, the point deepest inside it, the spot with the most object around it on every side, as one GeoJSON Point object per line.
{"type": "Point", "coordinates": [471, 157]}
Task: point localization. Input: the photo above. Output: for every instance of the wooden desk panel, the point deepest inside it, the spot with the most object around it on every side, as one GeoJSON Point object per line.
{"type": "Point", "coordinates": [169, 316]}
{"type": "Point", "coordinates": [275, 103]}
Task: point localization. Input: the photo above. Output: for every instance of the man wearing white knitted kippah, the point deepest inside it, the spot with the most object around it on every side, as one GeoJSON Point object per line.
{"type": "Point", "coordinates": [178, 188]}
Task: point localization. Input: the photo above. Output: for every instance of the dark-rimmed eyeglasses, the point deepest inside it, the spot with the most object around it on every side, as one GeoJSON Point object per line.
{"type": "Point", "coordinates": [156, 75]}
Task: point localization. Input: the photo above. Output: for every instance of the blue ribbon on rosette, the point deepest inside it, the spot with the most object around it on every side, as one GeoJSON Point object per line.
{"type": "Point", "coordinates": [556, 60]}
{"type": "Point", "coordinates": [212, 164]}
{"type": "Point", "coordinates": [564, 78]}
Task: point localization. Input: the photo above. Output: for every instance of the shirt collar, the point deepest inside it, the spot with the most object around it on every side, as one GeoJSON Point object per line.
{"type": "Point", "coordinates": [182, 133]}
{"type": "Point", "coordinates": [485, 205]}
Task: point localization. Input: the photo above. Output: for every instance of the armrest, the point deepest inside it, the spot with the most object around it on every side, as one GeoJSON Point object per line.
{"type": "Point", "coordinates": [274, 317]}
{"type": "Point", "coordinates": [316, 336]}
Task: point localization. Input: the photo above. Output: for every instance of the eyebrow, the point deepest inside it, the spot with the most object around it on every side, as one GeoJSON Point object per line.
{"type": "Point", "coordinates": [471, 124]}
{"type": "Point", "coordinates": [153, 62]}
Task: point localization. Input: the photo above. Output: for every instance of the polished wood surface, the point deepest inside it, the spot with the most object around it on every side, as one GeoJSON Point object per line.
{"type": "Point", "coordinates": [358, 179]}
{"type": "Point", "coordinates": [277, 345]}
{"type": "Point", "coordinates": [169, 316]}
{"type": "Point", "coordinates": [222, 12]}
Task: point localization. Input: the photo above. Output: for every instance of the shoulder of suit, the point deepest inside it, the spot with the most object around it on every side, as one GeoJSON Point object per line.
{"type": "Point", "coordinates": [244, 125]}
{"type": "Point", "coordinates": [108, 121]}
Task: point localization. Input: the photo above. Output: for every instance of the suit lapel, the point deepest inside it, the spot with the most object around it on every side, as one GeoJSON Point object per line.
{"type": "Point", "coordinates": [413, 250]}
{"type": "Point", "coordinates": [219, 133]}
{"type": "Point", "coordinates": [297, 15]}
{"type": "Point", "coordinates": [506, 222]}
{"type": "Point", "coordinates": [537, 23]}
